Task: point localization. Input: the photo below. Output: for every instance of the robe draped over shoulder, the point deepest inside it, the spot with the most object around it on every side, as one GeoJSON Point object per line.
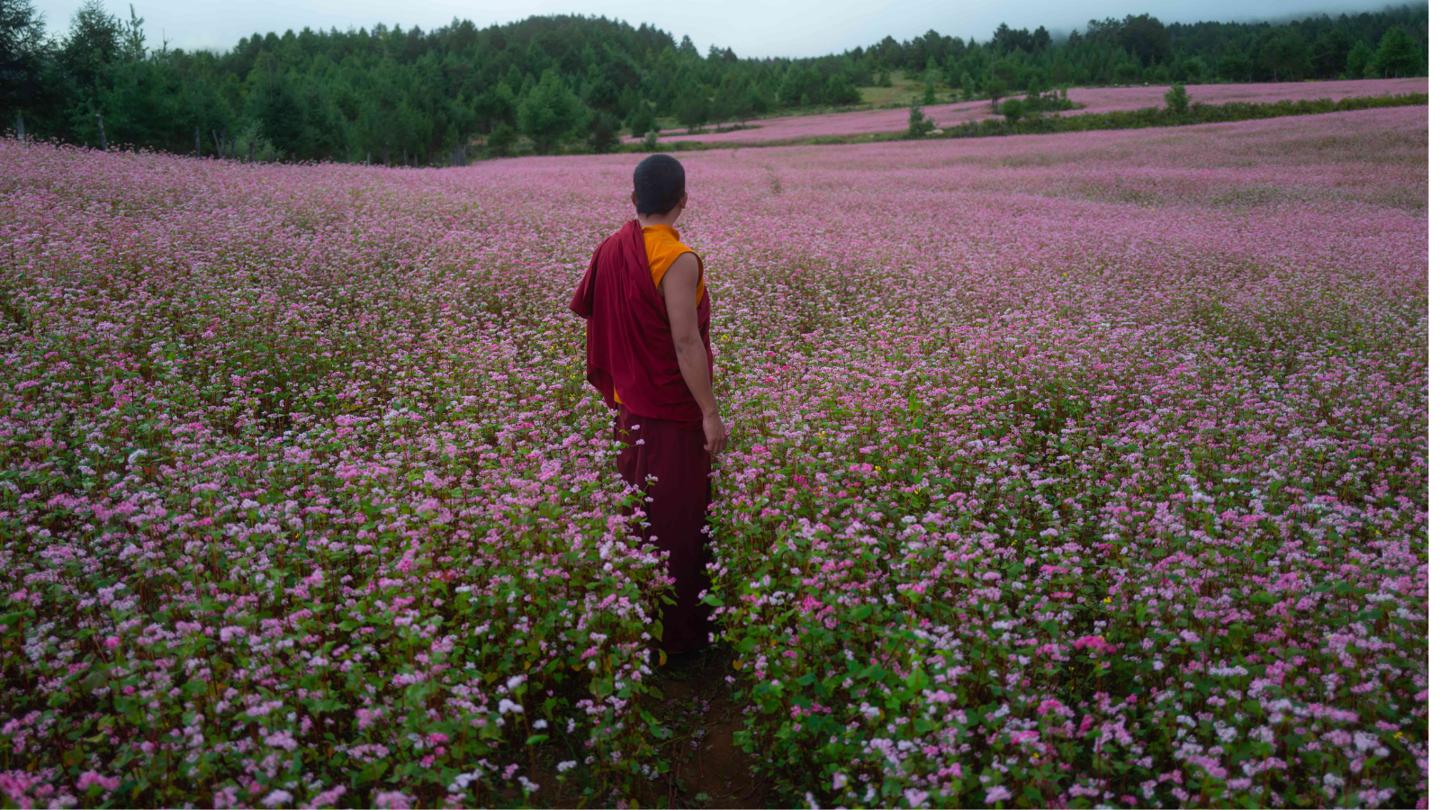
{"type": "Point", "coordinates": [629, 352]}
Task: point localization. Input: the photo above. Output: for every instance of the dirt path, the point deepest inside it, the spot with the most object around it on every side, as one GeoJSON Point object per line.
{"type": "Point", "coordinates": [707, 768]}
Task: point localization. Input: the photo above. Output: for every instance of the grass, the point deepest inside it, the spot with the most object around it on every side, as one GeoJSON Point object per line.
{"type": "Point", "coordinates": [902, 91]}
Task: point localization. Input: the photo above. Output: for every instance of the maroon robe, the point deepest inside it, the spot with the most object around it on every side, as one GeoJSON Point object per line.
{"type": "Point", "coordinates": [629, 348]}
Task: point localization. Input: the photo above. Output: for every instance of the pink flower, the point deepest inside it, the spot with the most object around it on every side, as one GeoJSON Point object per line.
{"type": "Point", "coordinates": [394, 800]}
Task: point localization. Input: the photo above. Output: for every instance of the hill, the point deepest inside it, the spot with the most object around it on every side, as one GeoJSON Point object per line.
{"type": "Point", "coordinates": [548, 83]}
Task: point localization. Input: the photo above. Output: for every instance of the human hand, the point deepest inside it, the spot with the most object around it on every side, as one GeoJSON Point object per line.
{"type": "Point", "coordinates": [716, 434]}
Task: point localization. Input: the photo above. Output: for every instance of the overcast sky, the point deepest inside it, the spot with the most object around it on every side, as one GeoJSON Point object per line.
{"type": "Point", "coordinates": [750, 27]}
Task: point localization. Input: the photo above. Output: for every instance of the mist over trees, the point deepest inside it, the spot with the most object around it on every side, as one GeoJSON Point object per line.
{"type": "Point", "coordinates": [390, 95]}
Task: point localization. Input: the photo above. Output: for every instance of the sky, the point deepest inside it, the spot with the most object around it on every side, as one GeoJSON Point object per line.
{"type": "Point", "coordinates": [753, 28]}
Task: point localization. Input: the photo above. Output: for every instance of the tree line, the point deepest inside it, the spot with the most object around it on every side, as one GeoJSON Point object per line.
{"type": "Point", "coordinates": [390, 96]}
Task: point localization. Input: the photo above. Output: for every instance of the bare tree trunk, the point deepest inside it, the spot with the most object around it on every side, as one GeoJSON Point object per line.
{"type": "Point", "coordinates": [100, 122]}
{"type": "Point", "coordinates": [252, 151]}
{"type": "Point", "coordinates": [197, 140]}
{"type": "Point", "coordinates": [219, 152]}
{"type": "Point", "coordinates": [367, 157]}
{"type": "Point", "coordinates": [20, 126]}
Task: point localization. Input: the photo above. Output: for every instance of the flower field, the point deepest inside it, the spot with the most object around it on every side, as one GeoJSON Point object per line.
{"type": "Point", "coordinates": [1066, 470]}
{"type": "Point", "coordinates": [1091, 99]}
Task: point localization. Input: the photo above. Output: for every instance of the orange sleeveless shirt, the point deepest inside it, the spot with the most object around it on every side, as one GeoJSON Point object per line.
{"type": "Point", "coordinates": [662, 248]}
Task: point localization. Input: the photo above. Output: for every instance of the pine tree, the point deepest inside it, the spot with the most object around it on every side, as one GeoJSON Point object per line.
{"type": "Point", "coordinates": [1398, 55]}
{"type": "Point", "coordinates": [22, 57]}
{"type": "Point", "coordinates": [1358, 60]}
{"type": "Point", "coordinates": [550, 112]}
{"type": "Point", "coordinates": [603, 139]}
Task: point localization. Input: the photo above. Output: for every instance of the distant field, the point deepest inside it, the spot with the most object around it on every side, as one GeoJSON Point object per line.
{"type": "Point", "coordinates": [1098, 99]}
{"type": "Point", "coordinates": [1108, 99]}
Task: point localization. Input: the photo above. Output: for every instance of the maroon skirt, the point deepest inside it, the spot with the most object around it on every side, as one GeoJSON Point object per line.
{"type": "Point", "coordinates": [677, 509]}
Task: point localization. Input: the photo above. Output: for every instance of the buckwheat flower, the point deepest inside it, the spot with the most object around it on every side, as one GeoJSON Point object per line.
{"type": "Point", "coordinates": [393, 800]}
{"type": "Point", "coordinates": [91, 778]}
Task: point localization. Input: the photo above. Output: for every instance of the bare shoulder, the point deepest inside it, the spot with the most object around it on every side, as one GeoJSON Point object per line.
{"type": "Point", "coordinates": [689, 260]}
{"type": "Point", "coordinates": [683, 274]}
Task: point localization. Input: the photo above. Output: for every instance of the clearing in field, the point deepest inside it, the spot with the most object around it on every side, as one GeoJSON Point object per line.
{"type": "Point", "coordinates": [1084, 469]}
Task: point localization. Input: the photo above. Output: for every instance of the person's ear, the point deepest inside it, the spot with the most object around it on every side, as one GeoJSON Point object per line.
{"type": "Point", "coordinates": [684, 198]}
{"type": "Point", "coordinates": [635, 200]}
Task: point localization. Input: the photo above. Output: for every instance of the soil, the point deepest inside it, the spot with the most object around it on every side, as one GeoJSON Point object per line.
{"type": "Point", "coordinates": [707, 769]}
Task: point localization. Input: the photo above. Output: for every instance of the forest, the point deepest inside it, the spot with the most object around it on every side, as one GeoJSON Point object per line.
{"type": "Point", "coordinates": [575, 83]}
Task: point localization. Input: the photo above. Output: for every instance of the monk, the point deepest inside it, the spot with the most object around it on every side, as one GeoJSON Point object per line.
{"type": "Point", "coordinates": [647, 351]}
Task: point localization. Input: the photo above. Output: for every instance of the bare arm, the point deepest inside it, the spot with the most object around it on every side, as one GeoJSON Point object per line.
{"type": "Point", "coordinates": [677, 288]}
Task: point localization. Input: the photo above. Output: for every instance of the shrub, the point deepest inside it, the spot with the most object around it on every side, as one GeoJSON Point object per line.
{"type": "Point", "coordinates": [920, 126]}
{"type": "Point", "coordinates": [1013, 109]}
{"type": "Point", "coordinates": [651, 141]}
{"type": "Point", "coordinates": [1177, 99]}
{"type": "Point", "coordinates": [500, 140]}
